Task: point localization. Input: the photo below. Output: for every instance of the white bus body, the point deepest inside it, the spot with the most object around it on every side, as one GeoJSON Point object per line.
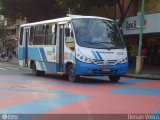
{"type": "Point", "coordinates": [73, 45]}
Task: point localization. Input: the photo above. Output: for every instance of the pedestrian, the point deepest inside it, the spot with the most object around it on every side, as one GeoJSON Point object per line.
{"type": "Point", "coordinates": [10, 56]}
{"type": "Point", "coordinates": [0, 55]}
{"type": "Point", "coordinates": [134, 52]}
{"type": "Point", "coordinates": [150, 55]}
{"type": "Point", "coordinates": [144, 55]}
{"type": "Point", "coordinates": [129, 56]}
{"type": "Point", "coordinates": [14, 53]}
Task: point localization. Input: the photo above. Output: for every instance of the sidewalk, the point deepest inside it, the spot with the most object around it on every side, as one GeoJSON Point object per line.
{"type": "Point", "coordinates": [5, 62]}
{"type": "Point", "coordinates": [147, 73]}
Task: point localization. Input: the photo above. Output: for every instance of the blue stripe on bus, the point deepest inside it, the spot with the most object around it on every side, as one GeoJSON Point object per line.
{"type": "Point", "coordinates": [43, 54]}
{"type": "Point", "coordinates": [51, 67]}
{"type": "Point", "coordinates": [42, 66]}
{"type": "Point", "coordinates": [99, 55]}
{"type": "Point", "coordinates": [34, 54]}
{"type": "Point", "coordinates": [95, 55]}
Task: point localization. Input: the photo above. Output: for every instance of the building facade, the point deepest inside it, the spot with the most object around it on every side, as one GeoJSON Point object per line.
{"type": "Point", "coordinates": [151, 31]}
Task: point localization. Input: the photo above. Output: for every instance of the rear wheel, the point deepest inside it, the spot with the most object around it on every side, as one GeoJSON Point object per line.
{"type": "Point", "coordinates": [72, 75]}
{"type": "Point", "coordinates": [114, 78]}
{"type": "Point", "coordinates": [36, 72]}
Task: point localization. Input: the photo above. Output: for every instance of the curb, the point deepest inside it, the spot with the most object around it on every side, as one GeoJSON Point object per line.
{"type": "Point", "coordinates": [143, 76]}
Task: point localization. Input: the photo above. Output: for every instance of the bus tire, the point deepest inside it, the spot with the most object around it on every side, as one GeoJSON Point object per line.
{"type": "Point", "coordinates": [114, 78]}
{"type": "Point", "coordinates": [41, 73]}
{"type": "Point", "coordinates": [36, 72]}
{"type": "Point", "coordinates": [72, 75]}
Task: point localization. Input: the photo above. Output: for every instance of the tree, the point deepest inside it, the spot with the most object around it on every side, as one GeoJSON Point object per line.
{"type": "Point", "coordinates": [80, 6]}
{"type": "Point", "coordinates": [2, 35]}
{"type": "Point", "coordinates": [36, 10]}
{"type": "Point", "coordinates": [32, 9]}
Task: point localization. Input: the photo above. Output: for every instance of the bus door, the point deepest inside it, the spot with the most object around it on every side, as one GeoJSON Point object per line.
{"type": "Point", "coordinates": [60, 48]}
{"type": "Point", "coordinates": [25, 46]}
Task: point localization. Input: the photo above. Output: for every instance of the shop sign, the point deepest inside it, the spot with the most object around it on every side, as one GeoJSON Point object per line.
{"type": "Point", "coordinates": [151, 24]}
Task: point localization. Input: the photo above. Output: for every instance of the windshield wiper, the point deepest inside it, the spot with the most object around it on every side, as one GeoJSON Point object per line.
{"type": "Point", "coordinates": [98, 43]}
{"type": "Point", "coordinates": [108, 42]}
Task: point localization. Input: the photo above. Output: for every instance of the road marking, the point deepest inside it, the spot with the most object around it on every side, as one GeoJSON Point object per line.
{"type": "Point", "coordinates": [3, 69]}
{"type": "Point", "coordinates": [137, 91]}
{"type": "Point", "coordinates": [39, 106]}
{"type": "Point", "coordinates": [12, 68]}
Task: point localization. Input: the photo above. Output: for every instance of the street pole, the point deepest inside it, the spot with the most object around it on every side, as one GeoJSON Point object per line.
{"type": "Point", "coordinates": [139, 61]}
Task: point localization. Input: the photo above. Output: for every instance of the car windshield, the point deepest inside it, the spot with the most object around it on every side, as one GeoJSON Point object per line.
{"type": "Point", "coordinates": [97, 33]}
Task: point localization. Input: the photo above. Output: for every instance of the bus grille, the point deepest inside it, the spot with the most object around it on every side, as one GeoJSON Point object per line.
{"type": "Point", "coordinates": [108, 62]}
{"type": "Point", "coordinates": [111, 62]}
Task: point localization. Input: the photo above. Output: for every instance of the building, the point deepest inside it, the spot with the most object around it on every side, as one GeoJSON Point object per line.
{"type": "Point", "coordinates": [151, 36]}
{"type": "Point", "coordinates": [10, 34]}
{"type": "Point", "coordinates": [151, 33]}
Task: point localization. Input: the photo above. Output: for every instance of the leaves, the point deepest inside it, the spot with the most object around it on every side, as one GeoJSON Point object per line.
{"type": "Point", "coordinates": [36, 10]}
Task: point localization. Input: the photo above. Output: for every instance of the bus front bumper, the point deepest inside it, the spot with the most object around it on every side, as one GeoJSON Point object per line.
{"type": "Point", "coordinates": [91, 69]}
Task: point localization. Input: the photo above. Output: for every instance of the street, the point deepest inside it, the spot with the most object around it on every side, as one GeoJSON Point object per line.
{"type": "Point", "coordinates": [23, 93]}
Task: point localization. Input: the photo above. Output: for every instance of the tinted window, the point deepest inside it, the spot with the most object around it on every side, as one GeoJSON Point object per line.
{"type": "Point", "coordinates": [21, 36]}
{"type": "Point", "coordinates": [39, 35]}
{"type": "Point", "coordinates": [50, 34]}
{"type": "Point", "coordinates": [31, 36]}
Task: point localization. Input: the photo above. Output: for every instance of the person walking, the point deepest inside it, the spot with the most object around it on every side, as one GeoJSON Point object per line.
{"type": "Point", "coordinates": [0, 55]}
{"type": "Point", "coordinates": [9, 56]}
{"type": "Point", "coordinates": [144, 55]}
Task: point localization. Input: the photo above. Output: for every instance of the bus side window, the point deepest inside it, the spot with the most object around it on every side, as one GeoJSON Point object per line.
{"type": "Point", "coordinates": [69, 39]}
{"type": "Point", "coordinates": [39, 34]}
{"type": "Point", "coordinates": [21, 36]}
{"type": "Point", "coordinates": [50, 34]}
{"type": "Point", "coordinates": [31, 36]}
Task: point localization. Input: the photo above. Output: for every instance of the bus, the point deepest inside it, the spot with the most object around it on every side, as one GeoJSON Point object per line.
{"type": "Point", "coordinates": [74, 46]}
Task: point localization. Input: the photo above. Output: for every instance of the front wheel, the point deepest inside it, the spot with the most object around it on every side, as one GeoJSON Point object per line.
{"type": "Point", "coordinates": [72, 75]}
{"type": "Point", "coordinates": [114, 78]}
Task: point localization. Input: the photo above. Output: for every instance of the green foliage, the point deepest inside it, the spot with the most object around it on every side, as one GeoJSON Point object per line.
{"type": "Point", "coordinates": [36, 10]}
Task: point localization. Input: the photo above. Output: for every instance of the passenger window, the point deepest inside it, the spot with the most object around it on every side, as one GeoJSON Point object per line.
{"type": "Point", "coordinates": [31, 36]}
{"type": "Point", "coordinates": [21, 36]}
{"type": "Point", "coordinates": [50, 34]}
{"type": "Point", "coordinates": [39, 35]}
{"type": "Point", "coordinates": [69, 39]}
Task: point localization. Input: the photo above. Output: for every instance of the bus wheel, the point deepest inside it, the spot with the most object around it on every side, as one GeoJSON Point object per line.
{"type": "Point", "coordinates": [114, 78]}
{"type": "Point", "coordinates": [71, 74]}
{"type": "Point", "coordinates": [36, 72]}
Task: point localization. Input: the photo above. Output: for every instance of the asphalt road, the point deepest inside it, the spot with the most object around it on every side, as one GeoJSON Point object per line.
{"type": "Point", "coordinates": [31, 97]}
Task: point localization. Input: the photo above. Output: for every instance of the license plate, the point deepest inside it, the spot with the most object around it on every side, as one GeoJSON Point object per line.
{"type": "Point", "coordinates": [106, 70]}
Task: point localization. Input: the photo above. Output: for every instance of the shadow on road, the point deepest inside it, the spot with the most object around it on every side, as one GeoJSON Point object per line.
{"type": "Point", "coordinates": [62, 78]}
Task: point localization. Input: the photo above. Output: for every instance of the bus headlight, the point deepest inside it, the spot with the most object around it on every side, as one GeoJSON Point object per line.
{"type": "Point", "coordinates": [124, 60]}
{"type": "Point", "coordinates": [83, 58]}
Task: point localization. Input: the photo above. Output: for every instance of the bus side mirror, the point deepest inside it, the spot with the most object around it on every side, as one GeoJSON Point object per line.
{"type": "Point", "coordinates": [67, 32]}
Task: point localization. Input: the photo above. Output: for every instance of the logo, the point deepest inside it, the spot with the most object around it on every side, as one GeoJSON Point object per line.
{"type": "Point", "coordinates": [4, 116]}
{"type": "Point", "coordinates": [9, 117]}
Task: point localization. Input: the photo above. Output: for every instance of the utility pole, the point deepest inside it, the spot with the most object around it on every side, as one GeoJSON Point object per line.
{"type": "Point", "coordinates": [139, 60]}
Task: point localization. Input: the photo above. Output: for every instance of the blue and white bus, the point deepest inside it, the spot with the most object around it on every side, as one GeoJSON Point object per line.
{"type": "Point", "coordinates": [74, 46]}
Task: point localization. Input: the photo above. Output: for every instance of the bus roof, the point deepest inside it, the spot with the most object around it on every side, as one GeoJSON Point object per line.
{"type": "Point", "coordinates": [69, 17]}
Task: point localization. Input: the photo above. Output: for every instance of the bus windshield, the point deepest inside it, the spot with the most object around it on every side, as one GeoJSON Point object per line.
{"type": "Point", "coordinates": [97, 33]}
